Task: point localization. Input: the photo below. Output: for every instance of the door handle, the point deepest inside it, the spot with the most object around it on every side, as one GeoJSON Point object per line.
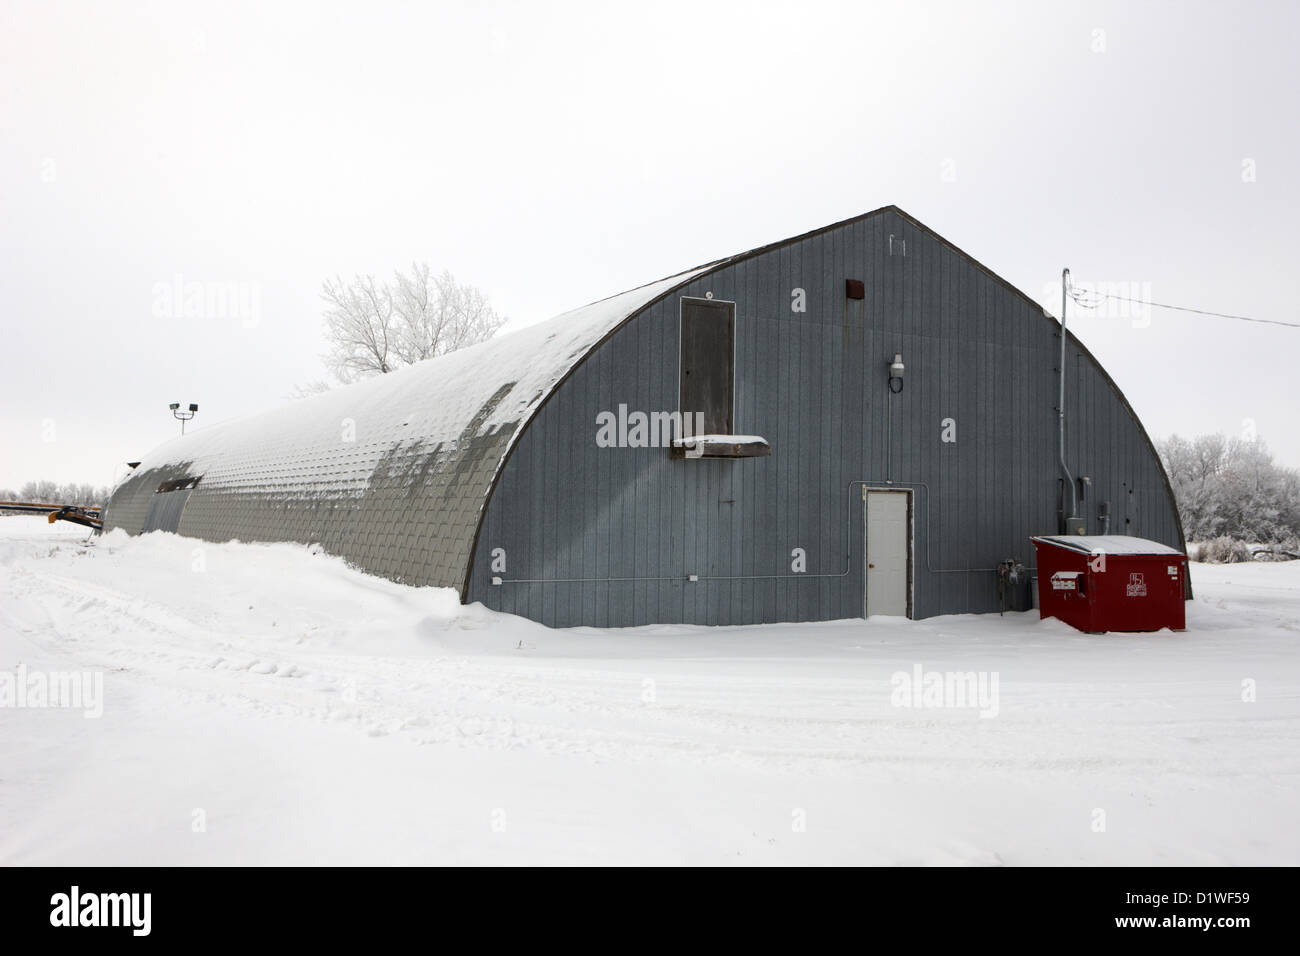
{"type": "Point", "coordinates": [871, 565]}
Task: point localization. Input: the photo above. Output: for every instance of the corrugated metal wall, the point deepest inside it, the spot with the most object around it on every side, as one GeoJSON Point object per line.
{"type": "Point", "coordinates": [609, 535]}
{"type": "Point", "coordinates": [165, 509]}
{"type": "Point", "coordinates": [414, 523]}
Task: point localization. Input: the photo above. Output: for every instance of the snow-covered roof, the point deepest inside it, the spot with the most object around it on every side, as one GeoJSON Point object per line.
{"type": "Point", "coordinates": [334, 441]}
{"type": "Point", "coordinates": [391, 473]}
{"type": "Point", "coordinates": [1107, 544]}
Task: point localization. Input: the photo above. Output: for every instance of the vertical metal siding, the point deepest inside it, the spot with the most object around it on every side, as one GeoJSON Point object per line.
{"type": "Point", "coordinates": [814, 384]}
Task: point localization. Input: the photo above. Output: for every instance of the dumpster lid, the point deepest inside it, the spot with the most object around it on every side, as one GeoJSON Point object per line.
{"type": "Point", "coordinates": [1106, 544]}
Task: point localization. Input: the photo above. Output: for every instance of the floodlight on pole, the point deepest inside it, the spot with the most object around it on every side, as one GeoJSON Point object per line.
{"type": "Point", "coordinates": [183, 416]}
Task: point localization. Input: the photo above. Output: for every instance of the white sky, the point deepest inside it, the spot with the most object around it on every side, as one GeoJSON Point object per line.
{"type": "Point", "coordinates": [556, 153]}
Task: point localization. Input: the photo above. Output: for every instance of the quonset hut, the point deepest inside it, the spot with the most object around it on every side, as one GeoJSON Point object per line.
{"type": "Point", "coordinates": [859, 420]}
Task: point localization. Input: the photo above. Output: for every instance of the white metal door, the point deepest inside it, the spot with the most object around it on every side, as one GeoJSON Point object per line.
{"type": "Point", "coordinates": [888, 552]}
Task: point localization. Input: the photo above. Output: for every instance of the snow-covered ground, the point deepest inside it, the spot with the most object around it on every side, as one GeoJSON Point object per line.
{"type": "Point", "coordinates": [265, 704]}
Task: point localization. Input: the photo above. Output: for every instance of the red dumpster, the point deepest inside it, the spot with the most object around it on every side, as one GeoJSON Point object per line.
{"type": "Point", "coordinates": [1111, 582]}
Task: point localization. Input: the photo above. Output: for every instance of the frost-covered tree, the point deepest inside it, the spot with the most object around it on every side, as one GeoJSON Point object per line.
{"type": "Point", "coordinates": [51, 492]}
{"type": "Point", "coordinates": [359, 327]}
{"type": "Point", "coordinates": [39, 491]}
{"type": "Point", "coordinates": [437, 314]}
{"type": "Point", "coordinates": [373, 327]}
{"type": "Point", "coordinates": [1194, 468]}
{"type": "Point", "coordinates": [1232, 488]}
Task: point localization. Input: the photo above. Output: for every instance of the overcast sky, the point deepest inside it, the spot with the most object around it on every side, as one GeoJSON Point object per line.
{"type": "Point", "coordinates": [553, 154]}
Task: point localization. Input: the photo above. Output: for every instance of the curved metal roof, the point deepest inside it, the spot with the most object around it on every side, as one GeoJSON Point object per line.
{"type": "Point", "coordinates": [412, 453]}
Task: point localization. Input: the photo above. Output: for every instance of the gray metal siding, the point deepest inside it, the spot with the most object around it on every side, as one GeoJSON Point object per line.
{"type": "Point", "coordinates": [630, 524]}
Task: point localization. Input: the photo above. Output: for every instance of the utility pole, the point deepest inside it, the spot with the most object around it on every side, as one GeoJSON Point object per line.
{"type": "Point", "coordinates": [1070, 517]}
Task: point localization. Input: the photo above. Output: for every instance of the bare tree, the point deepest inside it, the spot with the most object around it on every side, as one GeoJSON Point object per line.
{"type": "Point", "coordinates": [438, 315]}
{"type": "Point", "coordinates": [360, 327]}
{"type": "Point", "coordinates": [375, 328]}
{"type": "Point", "coordinates": [51, 492]}
{"type": "Point", "coordinates": [39, 491]}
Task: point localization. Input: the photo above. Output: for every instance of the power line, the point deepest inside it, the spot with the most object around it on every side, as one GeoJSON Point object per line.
{"type": "Point", "coordinates": [1177, 308]}
{"type": "Point", "coordinates": [1078, 296]}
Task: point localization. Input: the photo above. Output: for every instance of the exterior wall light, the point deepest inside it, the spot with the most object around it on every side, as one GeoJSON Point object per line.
{"type": "Point", "coordinates": [896, 373]}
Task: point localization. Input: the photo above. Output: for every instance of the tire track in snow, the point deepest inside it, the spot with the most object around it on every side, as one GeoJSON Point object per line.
{"type": "Point", "coordinates": [817, 724]}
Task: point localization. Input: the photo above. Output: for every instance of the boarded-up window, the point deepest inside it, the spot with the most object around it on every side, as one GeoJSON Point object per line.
{"type": "Point", "coordinates": [708, 363]}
